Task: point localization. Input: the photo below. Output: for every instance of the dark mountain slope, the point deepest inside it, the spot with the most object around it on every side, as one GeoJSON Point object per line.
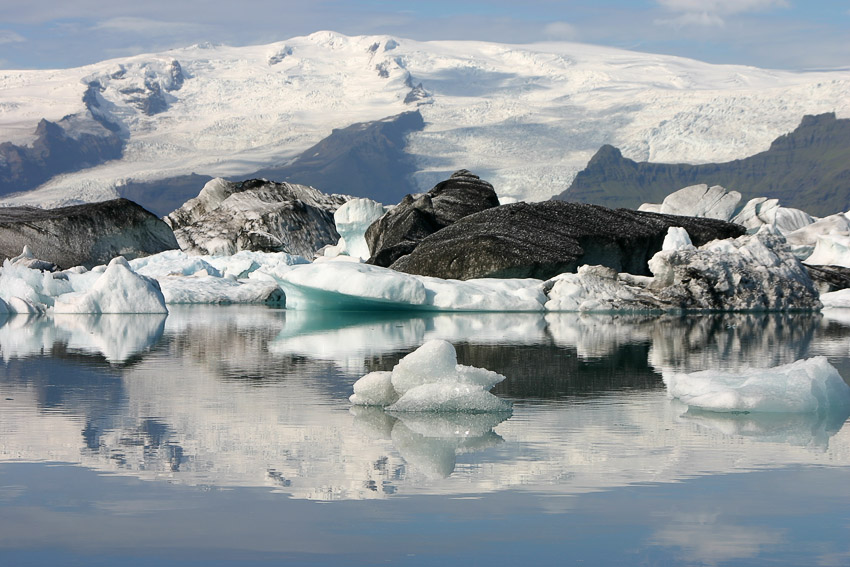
{"type": "Point", "coordinates": [366, 159]}
{"type": "Point", "coordinates": [808, 169]}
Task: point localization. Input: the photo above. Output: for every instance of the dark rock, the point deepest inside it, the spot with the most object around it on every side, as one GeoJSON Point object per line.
{"type": "Point", "coordinates": [829, 278]}
{"type": "Point", "coordinates": [84, 235]}
{"type": "Point", "coordinates": [808, 169]}
{"type": "Point", "coordinates": [400, 230]}
{"type": "Point", "coordinates": [541, 240]}
{"type": "Point", "coordinates": [257, 215]}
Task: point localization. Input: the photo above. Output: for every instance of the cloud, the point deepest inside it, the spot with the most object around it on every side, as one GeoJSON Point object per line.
{"type": "Point", "coordinates": [8, 36]}
{"type": "Point", "coordinates": [560, 30]}
{"type": "Point", "coordinates": [147, 26]}
{"type": "Point", "coordinates": [712, 13]}
{"type": "Point", "coordinates": [721, 6]}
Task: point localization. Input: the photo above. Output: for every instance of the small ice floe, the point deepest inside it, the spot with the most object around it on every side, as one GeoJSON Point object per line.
{"type": "Point", "coordinates": [430, 380]}
{"type": "Point", "coordinates": [811, 385]}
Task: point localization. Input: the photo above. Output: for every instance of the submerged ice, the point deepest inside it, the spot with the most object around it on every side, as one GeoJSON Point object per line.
{"type": "Point", "coordinates": [430, 380]}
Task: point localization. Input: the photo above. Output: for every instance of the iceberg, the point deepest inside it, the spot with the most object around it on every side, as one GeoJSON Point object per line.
{"type": "Point", "coordinates": [351, 220]}
{"type": "Point", "coordinates": [812, 385]}
{"type": "Point", "coordinates": [430, 380]}
{"type": "Point", "coordinates": [118, 290]}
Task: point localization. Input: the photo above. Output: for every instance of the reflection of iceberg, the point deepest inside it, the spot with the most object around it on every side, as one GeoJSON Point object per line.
{"type": "Point", "coordinates": [116, 337]}
{"type": "Point", "coordinates": [431, 442]}
{"type": "Point", "coordinates": [23, 336]}
{"type": "Point", "coordinates": [812, 429]}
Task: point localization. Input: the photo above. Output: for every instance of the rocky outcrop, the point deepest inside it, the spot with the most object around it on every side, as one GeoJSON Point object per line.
{"type": "Point", "coordinates": [84, 235]}
{"type": "Point", "coordinates": [541, 240]}
{"type": "Point", "coordinates": [399, 231]}
{"type": "Point", "coordinates": [257, 215]}
{"type": "Point", "coordinates": [806, 169]}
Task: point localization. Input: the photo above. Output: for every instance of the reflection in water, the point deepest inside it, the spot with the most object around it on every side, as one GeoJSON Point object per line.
{"type": "Point", "coordinates": [430, 442]}
{"type": "Point", "coordinates": [251, 396]}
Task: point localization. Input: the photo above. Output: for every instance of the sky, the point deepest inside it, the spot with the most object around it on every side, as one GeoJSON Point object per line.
{"type": "Point", "coordinates": [782, 34]}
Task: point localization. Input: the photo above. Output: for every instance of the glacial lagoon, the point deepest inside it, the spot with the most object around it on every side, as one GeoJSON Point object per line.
{"type": "Point", "coordinates": [224, 436]}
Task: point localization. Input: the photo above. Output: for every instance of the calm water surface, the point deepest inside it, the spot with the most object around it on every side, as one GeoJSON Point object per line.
{"type": "Point", "coordinates": [224, 436]}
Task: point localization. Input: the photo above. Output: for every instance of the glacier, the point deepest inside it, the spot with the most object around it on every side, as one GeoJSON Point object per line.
{"type": "Point", "coordinates": [512, 112]}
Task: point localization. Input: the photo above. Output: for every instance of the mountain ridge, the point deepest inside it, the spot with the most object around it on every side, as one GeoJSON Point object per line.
{"type": "Point", "coordinates": [807, 168]}
{"type": "Point", "coordinates": [526, 117]}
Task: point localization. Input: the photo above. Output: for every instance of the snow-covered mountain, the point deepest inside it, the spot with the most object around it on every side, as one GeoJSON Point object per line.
{"type": "Point", "coordinates": [525, 117]}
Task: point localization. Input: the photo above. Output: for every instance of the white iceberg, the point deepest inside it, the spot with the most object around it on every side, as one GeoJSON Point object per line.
{"type": "Point", "coordinates": [804, 386]}
{"type": "Point", "coordinates": [717, 202]}
{"type": "Point", "coordinates": [118, 290]}
{"type": "Point", "coordinates": [430, 380]}
{"type": "Point", "coordinates": [355, 286]}
{"type": "Point", "coordinates": [351, 220]}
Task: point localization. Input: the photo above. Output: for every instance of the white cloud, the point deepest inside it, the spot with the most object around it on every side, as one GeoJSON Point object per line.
{"type": "Point", "coordinates": [560, 30]}
{"type": "Point", "coordinates": [721, 7]}
{"type": "Point", "coordinates": [8, 36]}
{"type": "Point", "coordinates": [711, 13]}
{"type": "Point", "coordinates": [703, 19]}
{"type": "Point", "coordinates": [147, 26]}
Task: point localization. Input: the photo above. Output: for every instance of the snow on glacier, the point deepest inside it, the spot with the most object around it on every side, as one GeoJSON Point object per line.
{"type": "Point", "coordinates": [510, 112]}
{"type": "Point", "coordinates": [430, 380]}
{"type": "Point", "coordinates": [804, 386]}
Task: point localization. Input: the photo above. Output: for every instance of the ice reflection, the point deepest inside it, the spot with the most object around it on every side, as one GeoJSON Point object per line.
{"type": "Point", "coordinates": [802, 429]}
{"type": "Point", "coordinates": [117, 338]}
{"type": "Point", "coordinates": [246, 396]}
{"type": "Point", "coordinates": [431, 442]}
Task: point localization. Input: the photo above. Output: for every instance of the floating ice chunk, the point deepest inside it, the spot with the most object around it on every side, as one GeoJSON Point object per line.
{"type": "Point", "coordinates": [831, 250]}
{"type": "Point", "coordinates": [836, 299]}
{"type": "Point", "coordinates": [213, 290]}
{"type": "Point", "coordinates": [449, 397]}
{"type": "Point", "coordinates": [172, 262]}
{"type": "Point", "coordinates": [594, 288]}
{"type": "Point", "coordinates": [702, 201]}
{"type": "Point", "coordinates": [763, 211]}
{"type": "Point", "coordinates": [32, 285]}
{"type": "Point", "coordinates": [429, 379]}
{"type": "Point", "coordinates": [803, 240]}
{"type": "Point", "coordinates": [23, 306]}
{"type": "Point", "coordinates": [434, 361]}
{"type": "Point", "coordinates": [118, 290]}
{"type": "Point", "coordinates": [374, 389]}
{"type": "Point", "coordinates": [803, 386]}
{"type": "Point", "coordinates": [355, 286]}
{"type": "Point", "coordinates": [352, 219]}
{"type": "Point", "coordinates": [346, 285]}
{"type": "Point", "coordinates": [677, 238]}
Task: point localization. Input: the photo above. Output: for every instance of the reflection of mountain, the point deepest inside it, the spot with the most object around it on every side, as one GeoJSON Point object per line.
{"type": "Point", "coordinates": [233, 397]}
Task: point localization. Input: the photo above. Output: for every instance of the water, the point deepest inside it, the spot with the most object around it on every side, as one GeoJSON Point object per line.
{"type": "Point", "coordinates": [223, 436]}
